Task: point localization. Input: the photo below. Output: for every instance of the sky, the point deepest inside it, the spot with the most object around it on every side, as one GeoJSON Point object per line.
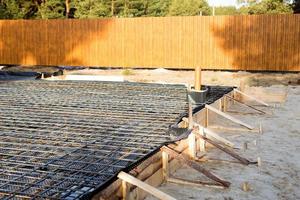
{"type": "Point", "coordinates": [222, 2]}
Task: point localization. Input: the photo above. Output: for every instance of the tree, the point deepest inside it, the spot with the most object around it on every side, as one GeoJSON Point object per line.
{"type": "Point", "coordinates": [129, 8]}
{"type": "Point", "coordinates": [52, 9]}
{"type": "Point", "coordinates": [18, 9]}
{"type": "Point", "coordinates": [296, 6]}
{"type": "Point", "coordinates": [188, 8]}
{"type": "Point", "coordinates": [226, 10]}
{"type": "Point", "coordinates": [158, 8]}
{"type": "Point", "coordinates": [267, 7]}
{"type": "Point", "coordinates": [90, 9]}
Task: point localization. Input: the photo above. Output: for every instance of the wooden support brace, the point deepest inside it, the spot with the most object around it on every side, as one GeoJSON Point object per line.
{"type": "Point", "coordinates": [228, 151]}
{"type": "Point", "coordinates": [213, 136]}
{"type": "Point", "coordinates": [194, 183]}
{"type": "Point", "coordinates": [144, 186]}
{"type": "Point", "coordinates": [251, 97]}
{"type": "Point", "coordinates": [249, 106]}
{"type": "Point", "coordinates": [234, 129]}
{"type": "Point", "coordinates": [233, 119]}
{"type": "Point", "coordinates": [185, 159]}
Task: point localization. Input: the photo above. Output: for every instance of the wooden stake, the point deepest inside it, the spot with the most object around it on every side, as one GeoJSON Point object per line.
{"type": "Point", "coordinates": [165, 165]}
{"type": "Point", "coordinates": [258, 161]}
{"type": "Point", "coordinates": [148, 188]}
{"type": "Point", "coordinates": [246, 187]}
{"type": "Point", "coordinates": [198, 78]}
{"type": "Point", "coordinates": [125, 190]}
{"type": "Point", "coordinates": [260, 128]}
{"type": "Point", "coordinates": [228, 117]}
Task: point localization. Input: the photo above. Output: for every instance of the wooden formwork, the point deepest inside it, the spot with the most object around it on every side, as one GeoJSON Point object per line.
{"type": "Point", "coordinates": [151, 170]}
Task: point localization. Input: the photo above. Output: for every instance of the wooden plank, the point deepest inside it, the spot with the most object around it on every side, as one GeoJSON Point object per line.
{"type": "Point", "coordinates": [184, 159]}
{"type": "Point", "coordinates": [233, 119]}
{"type": "Point", "coordinates": [251, 97]}
{"type": "Point", "coordinates": [148, 188]}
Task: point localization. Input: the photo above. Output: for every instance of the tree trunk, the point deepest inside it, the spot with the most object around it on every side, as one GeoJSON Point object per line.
{"type": "Point", "coordinates": [112, 8]}
{"type": "Point", "coordinates": [67, 8]}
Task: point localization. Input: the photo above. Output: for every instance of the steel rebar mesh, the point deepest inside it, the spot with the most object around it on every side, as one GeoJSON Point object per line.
{"type": "Point", "coordinates": [62, 140]}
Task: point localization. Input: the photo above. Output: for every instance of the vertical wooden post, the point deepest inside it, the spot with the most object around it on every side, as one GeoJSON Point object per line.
{"type": "Point", "coordinates": [192, 145]}
{"type": "Point", "coordinates": [125, 190]}
{"type": "Point", "coordinates": [191, 121]}
{"type": "Point", "coordinates": [225, 104]}
{"type": "Point", "coordinates": [67, 8]}
{"type": "Point", "coordinates": [198, 78]}
{"type": "Point", "coordinates": [165, 165]}
{"type": "Point", "coordinates": [206, 117]}
{"type": "Point", "coordinates": [202, 142]}
{"type": "Point", "coordinates": [220, 104]}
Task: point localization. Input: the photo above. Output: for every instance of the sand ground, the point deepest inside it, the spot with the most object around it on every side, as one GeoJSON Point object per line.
{"type": "Point", "coordinates": [180, 76]}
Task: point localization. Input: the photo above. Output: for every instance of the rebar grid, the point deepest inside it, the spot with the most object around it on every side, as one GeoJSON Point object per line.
{"type": "Point", "coordinates": [62, 140]}
{"type": "Point", "coordinates": [65, 139]}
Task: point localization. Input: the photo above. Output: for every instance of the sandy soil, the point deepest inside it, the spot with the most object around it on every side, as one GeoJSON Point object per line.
{"type": "Point", "coordinates": [278, 147]}
{"type": "Point", "coordinates": [179, 76]}
{"type": "Point", "coordinates": [208, 77]}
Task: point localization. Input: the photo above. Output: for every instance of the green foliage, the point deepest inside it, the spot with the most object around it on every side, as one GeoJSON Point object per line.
{"type": "Point", "coordinates": [158, 8]}
{"type": "Point", "coordinates": [267, 7]}
{"type": "Point", "coordinates": [226, 10]}
{"type": "Point", "coordinates": [188, 8]}
{"type": "Point", "coordinates": [90, 9]}
{"type": "Point", "coordinates": [16, 9]}
{"type": "Point", "coordinates": [52, 9]}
